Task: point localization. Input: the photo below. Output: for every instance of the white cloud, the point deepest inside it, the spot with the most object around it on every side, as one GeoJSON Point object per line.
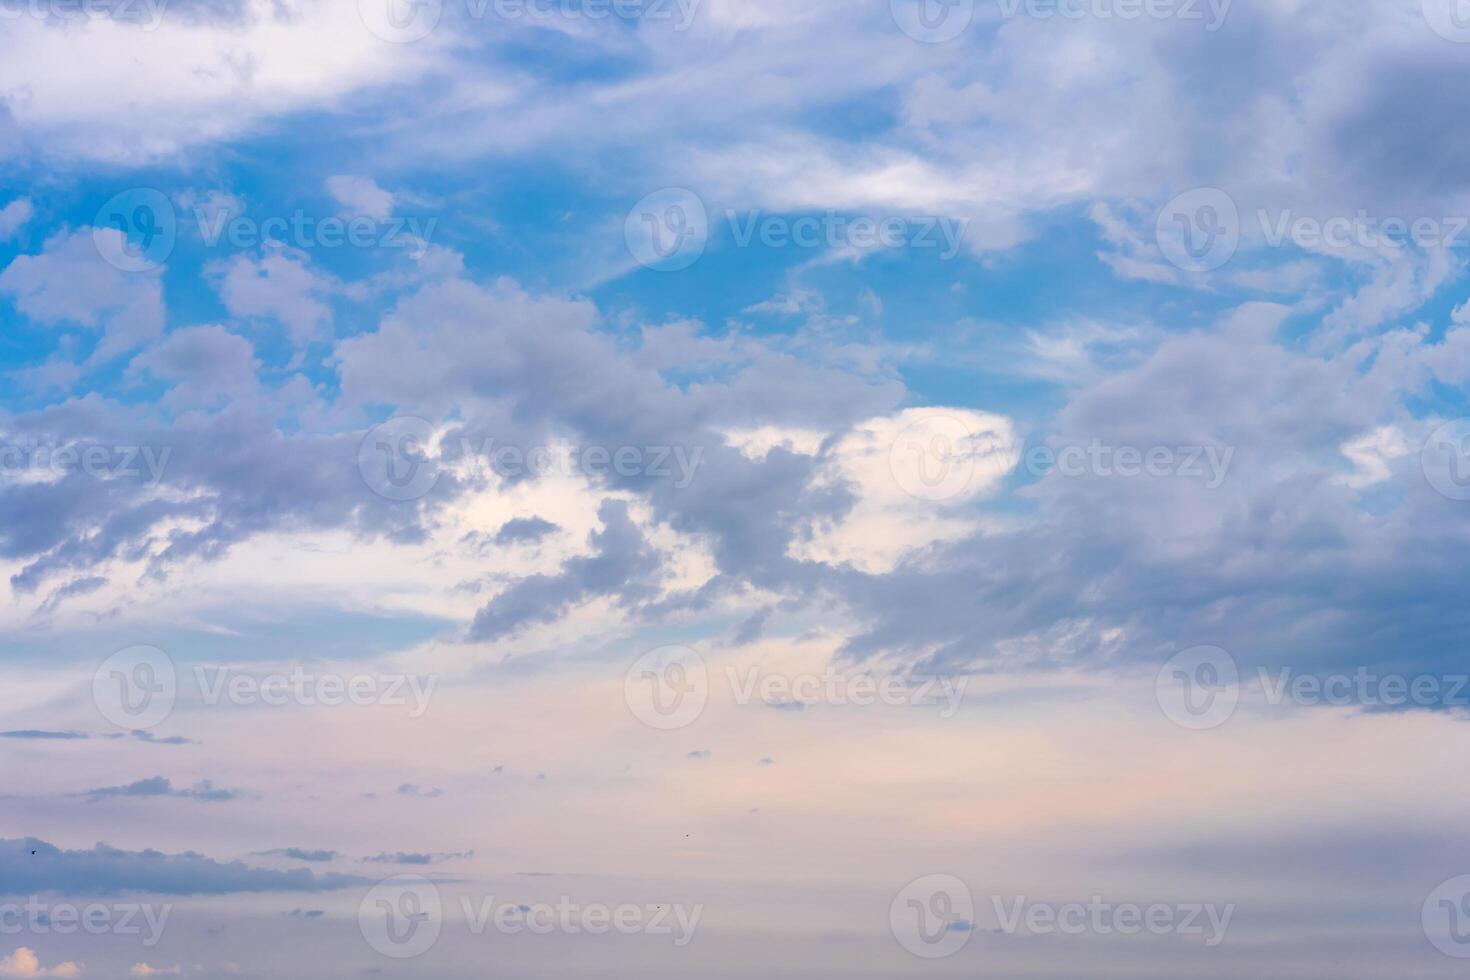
{"type": "Point", "coordinates": [24, 963]}
{"type": "Point", "coordinates": [14, 216]}
{"type": "Point", "coordinates": [360, 196]}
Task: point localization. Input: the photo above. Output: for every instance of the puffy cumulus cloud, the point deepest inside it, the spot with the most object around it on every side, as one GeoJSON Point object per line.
{"type": "Point", "coordinates": [24, 963]}
{"type": "Point", "coordinates": [30, 865]}
{"type": "Point", "coordinates": [70, 284]}
{"type": "Point", "coordinates": [144, 970]}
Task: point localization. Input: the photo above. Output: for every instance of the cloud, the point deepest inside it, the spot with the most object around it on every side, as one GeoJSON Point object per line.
{"type": "Point", "coordinates": [13, 217]}
{"type": "Point", "coordinates": [105, 870]}
{"type": "Point", "coordinates": [300, 854]}
{"type": "Point", "coordinates": [157, 786]}
{"type": "Point", "coordinates": [69, 283]}
{"type": "Point", "coordinates": [24, 963]}
{"type": "Point", "coordinates": [521, 530]}
{"type": "Point", "coordinates": [361, 196]}
{"type": "Point", "coordinates": [30, 733]}
{"type": "Point", "coordinates": [417, 857]}
{"type": "Point", "coordinates": [280, 287]}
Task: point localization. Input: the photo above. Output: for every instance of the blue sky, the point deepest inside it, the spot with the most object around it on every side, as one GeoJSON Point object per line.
{"type": "Point", "coordinates": [850, 488]}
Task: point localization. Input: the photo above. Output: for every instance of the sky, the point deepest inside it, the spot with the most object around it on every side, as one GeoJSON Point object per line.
{"type": "Point", "coordinates": [711, 488]}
